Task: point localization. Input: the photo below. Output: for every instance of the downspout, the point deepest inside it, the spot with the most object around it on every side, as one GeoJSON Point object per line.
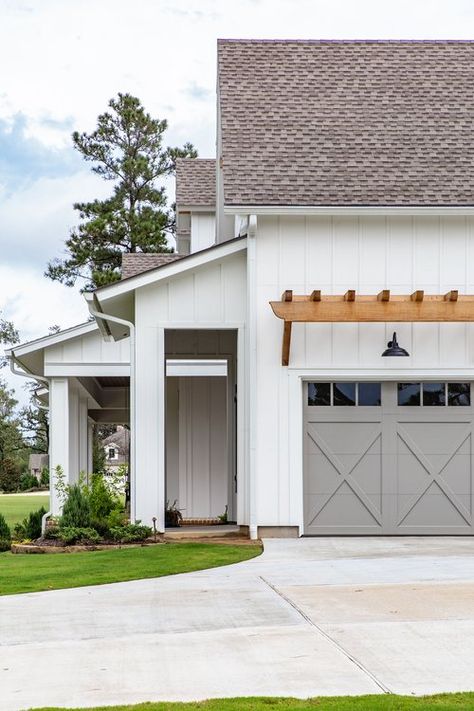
{"type": "Point", "coordinates": [41, 379]}
{"type": "Point", "coordinates": [95, 310]}
{"type": "Point", "coordinates": [252, 374]}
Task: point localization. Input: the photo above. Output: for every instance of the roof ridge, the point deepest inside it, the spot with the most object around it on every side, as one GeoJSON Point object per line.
{"type": "Point", "coordinates": [231, 40]}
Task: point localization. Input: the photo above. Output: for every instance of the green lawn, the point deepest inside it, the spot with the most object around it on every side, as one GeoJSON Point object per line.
{"type": "Point", "coordinates": [32, 573]}
{"type": "Point", "coordinates": [442, 702]}
{"type": "Point", "coordinates": [15, 507]}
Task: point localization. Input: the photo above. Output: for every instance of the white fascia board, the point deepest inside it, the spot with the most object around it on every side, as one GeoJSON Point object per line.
{"type": "Point", "coordinates": [347, 210]}
{"type": "Point", "coordinates": [86, 369]}
{"type": "Point", "coordinates": [52, 339]}
{"type": "Point", "coordinates": [195, 208]}
{"type": "Point", "coordinates": [180, 266]}
{"type": "Point", "coordinates": [196, 368]}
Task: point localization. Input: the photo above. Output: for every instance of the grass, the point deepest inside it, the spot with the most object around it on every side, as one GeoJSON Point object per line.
{"type": "Point", "coordinates": [15, 507]}
{"type": "Point", "coordinates": [440, 702]}
{"type": "Point", "coordinates": [55, 571]}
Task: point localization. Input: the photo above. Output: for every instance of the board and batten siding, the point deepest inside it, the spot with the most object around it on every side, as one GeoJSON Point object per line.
{"type": "Point", "coordinates": [87, 349]}
{"type": "Point", "coordinates": [210, 297]}
{"type": "Point", "coordinates": [334, 254]}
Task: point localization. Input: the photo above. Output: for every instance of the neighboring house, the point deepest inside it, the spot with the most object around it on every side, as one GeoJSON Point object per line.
{"type": "Point", "coordinates": [340, 209]}
{"type": "Point", "coordinates": [116, 448]}
{"type": "Point", "coordinates": [36, 463]}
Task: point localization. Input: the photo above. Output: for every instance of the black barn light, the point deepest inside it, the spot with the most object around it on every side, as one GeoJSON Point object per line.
{"type": "Point", "coordinates": [394, 349]}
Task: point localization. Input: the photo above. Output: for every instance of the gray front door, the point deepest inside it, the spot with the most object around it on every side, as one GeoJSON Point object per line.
{"type": "Point", "coordinates": [388, 459]}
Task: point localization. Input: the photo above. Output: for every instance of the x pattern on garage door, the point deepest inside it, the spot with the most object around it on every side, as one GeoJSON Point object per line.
{"type": "Point", "coordinates": [388, 469]}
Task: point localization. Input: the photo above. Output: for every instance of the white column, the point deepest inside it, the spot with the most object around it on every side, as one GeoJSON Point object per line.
{"type": "Point", "coordinates": [90, 446]}
{"type": "Point", "coordinates": [83, 436]}
{"type": "Point", "coordinates": [73, 434]}
{"type": "Point", "coordinates": [148, 494]}
{"type": "Point", "coordinates": [59, 435]}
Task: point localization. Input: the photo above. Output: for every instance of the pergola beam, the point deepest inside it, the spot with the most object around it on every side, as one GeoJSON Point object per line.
{"type": "Point", "coordinates": [382, 307]}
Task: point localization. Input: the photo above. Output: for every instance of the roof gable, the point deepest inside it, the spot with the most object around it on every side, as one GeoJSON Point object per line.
{"type": "Point", "coordinates": [347, 122]}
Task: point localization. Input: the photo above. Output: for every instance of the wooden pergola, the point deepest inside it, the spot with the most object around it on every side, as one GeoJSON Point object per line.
{"type": "Point", "coordinates": [381, 307]}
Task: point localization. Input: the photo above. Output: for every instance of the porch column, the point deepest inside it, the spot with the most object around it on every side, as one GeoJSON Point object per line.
{"type": "Point", "coordinates": [148, 478]}
{"type": "Point", "coordinates": [59, 436]}
{"type": "Point", "coordinates": [90, 446]}
{"type": "Point", "coordinates": [83, 436]}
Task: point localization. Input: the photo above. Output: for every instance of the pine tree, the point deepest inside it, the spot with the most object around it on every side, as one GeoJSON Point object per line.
{"type": "Point", "coordinates": [127, 149]}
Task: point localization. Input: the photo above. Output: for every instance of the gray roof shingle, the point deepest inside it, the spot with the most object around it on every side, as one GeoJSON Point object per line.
{"type": "Point", "coordinates": [138, 262]}
{"type": "Point", "coordinates": [347, 122]}
{"type": "Point", "coordinates": [196, 182]}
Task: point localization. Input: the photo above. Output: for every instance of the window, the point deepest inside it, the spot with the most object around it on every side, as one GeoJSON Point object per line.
{"type": "Point", "coordinates": [344, 394]}
{"type": "Point", "coordinates": [459, 394]}
{"type": "Point", "coordinates": [111, 453]}
{"type": "Point", "coordinates": [434, 394]}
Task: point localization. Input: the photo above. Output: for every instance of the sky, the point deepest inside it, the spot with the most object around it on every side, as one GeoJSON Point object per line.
{"type": "Point", "coordinates": [62, 60]}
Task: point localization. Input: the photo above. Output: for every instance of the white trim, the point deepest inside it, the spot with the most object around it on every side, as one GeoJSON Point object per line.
{"type": "Point", "coordinates": [347, 210]}
{"type": "Point", "coordinates": [201, 325]}
{"type": "Point", "coordinates": [196, 368]}
{"type": "Point", "coordinates": [53, 338]}
{"type": "Point", "coordinates": [382, 375]}
{"type": "Point", "coordinates": [189, 207]}
{"type": "Point", "coordinates": [188, 263]}
{"type": "Point", "coordinates": [89, 369]}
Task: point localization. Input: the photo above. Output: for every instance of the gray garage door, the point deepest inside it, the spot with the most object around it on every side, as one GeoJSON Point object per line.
{"type": "Point", "coordinates": [388, 458]}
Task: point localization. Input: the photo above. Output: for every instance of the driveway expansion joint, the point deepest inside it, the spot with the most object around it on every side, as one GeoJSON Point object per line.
{"type": "Point", "coordinates": [385, 689]}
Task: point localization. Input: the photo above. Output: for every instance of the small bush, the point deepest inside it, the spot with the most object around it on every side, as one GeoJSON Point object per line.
{"type": "Point", "coordinates": [101, 500]}
{"type": "Point", "coordinates": [44, 480]}
{"type": "Point", "coordinates": [30, 527]}
{"type": "Point", "coordinates": [5, 533]}
{"type": "Point", "coordinates": [130, 533]}
{"type": "Point", "coordinates": [74, 534]}
{"type": "Point", "coordinates": [116, 518]}
{"type": "Point", "coordinates": [76, 510]}
{"type": "Point", "coordinates": [28, 481]}
{"type": "Point", "coordinates": [5, 545]}
{"type": "Point", "coordinates": [52, 532]}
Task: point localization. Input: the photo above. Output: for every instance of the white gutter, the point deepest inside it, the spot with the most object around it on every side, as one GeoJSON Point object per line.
{"type": "Point", "coordinates": [95, 310]}
{"type": "Point", "coordinates": [252, 374]}
{"type": "Point", "coordinates": [41, 379]}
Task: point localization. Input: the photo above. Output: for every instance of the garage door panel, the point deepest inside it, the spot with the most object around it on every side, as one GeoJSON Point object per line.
{"type": "Point", "coordinates": [433, 510]}
{"type": "Point", "coordinates": [390, 470]}
{"type": "Point", "coordinates": [344, 506]}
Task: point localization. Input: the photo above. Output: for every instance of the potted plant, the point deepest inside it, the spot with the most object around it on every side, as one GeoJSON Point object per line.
{"type": "Point", "coordinates": [173, 516]}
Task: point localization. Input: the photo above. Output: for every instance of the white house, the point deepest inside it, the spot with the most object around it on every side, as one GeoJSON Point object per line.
{"type": "Point", "coordinates": [340, 209]}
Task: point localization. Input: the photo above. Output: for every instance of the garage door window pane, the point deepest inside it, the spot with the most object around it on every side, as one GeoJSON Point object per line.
{"type": "Point", "coordinates": [409, 394]}
{"type": "Point", "coordinates": [319, 394]}
{"type": "Point", "coordinates": [344, 393]}
{"type": "Point", "coordinates": [434, 394]}
{"type": "Point", "coordinates": [459, 394]}
{"type": "Point", "coordinates": [369, 394]}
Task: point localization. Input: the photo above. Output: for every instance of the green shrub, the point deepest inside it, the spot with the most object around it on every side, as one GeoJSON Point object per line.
{"type": "Point", "coordinates": [116, 518]}
{"type": "Point", "coordinates": [28, 481]}
{"type": "Point", "coordinates": [30, 527]}
{"type": "Point", "coordinates": [52, 532]}
{"type": "Point", "coordinates": [101, 500]}
{"type": "Point", "coordinates": [130, 533]}
{"type": "Point", "coordinates": [5, 533]}
{"type": "Point", "coordinates": [76, 509]}
{"type": "Point", "coordinates": [44, 480]}
{"type": "Point", "coordinates": [9, 475]}
{"type": "Point", "coordinates": [77, 534]}
{"type": "Point", "coordinates": [5, 545]}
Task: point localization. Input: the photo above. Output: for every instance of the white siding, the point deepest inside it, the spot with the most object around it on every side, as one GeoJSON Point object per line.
{"type": "Point", "coordinates": [203, 230]}
{"type": "Point", "coordinates": [82, 351]}
{"type": "Point", "coordinates": [335, 254]}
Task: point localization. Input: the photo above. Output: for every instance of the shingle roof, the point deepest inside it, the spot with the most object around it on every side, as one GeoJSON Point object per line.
{"type": "Point", "coordinates": [196, 182]}
{"type": "Point", "coordinates": [347, 122]}
{"type": "Point", "coordinates": [138, 262]}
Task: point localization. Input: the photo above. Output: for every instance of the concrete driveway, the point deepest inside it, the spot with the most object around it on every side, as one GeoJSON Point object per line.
{"type": "Point", "coordinates": [309, 617]}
